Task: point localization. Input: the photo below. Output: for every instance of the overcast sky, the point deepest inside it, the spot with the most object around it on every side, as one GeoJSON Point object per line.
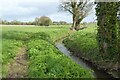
{"type": "Point", "coordinates": [28, 10]}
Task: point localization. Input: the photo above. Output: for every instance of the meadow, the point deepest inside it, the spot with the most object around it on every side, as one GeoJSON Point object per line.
{"type": "Point", "coordinates": [45, 60]}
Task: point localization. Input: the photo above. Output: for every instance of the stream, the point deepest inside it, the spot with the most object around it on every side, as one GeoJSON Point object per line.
{"type": "Point", "coordinates": [86, 65]}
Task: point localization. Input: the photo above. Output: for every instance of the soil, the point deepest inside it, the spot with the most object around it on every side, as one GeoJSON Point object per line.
{"type": "Point", "coordinates": [18, 67]}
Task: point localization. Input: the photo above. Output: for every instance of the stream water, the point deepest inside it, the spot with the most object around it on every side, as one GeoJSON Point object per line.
{"type": "Point", "coordinates": [96, 73]}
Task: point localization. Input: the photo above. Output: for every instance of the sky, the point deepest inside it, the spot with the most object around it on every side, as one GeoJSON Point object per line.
{"type": "Point", "coordinates": [28, 10]}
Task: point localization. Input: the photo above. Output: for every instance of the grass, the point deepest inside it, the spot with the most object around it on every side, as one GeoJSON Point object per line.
{"type": "Point", "coordinates": [34, 28]}
{"type": "Point", "coordinates": [45, 60]}
{"type": "Point", "coordinates": [9, 50]}
{"type": "Point", "coordinates": [84, 44]}
{"type": "Point", "coordinates": [0, 57]}
{"type": "Point", "coordinates": [55, 31]}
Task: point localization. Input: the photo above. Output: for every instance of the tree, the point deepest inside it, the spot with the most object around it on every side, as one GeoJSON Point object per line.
{"type": "Point", "coordinates": [62, 22]}
{"type": "Point", "coordinates": [55, 23]}
{"type": "Point", "coordinates": [5, 22]}
{"type": "Point", "coordinates": [79, 10]}
{"type": "Point", "coordinates": [43, 21]}
{"type": "Point", "coordinates": [0, 21]}
{"type": "Point", "coordinates": [106, 13]}
{"type": "Point", "coordinates": [15, 22]}
{"type": "Point", "coordinates": [119, 33]}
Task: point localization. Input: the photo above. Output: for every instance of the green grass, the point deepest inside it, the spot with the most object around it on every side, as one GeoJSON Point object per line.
{"type": "Point", "coordinates": [0, 52]}
{"type": "Point", "coordinates": [34, 28]}
{"type": "Point", "coordinates": [45, 60]}
{"type": "Point", "coordinates": [55, 31]}
{"type": "Point", "coordinates": [84, 43]}
{"type": "Point", "coordinates": [9, 50]}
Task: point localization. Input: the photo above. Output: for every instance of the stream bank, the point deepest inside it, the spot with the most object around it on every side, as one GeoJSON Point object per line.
{"type": "Point", "coordinates": [113, 72]}
{"type": "Point", "coordinates": [87, 64]}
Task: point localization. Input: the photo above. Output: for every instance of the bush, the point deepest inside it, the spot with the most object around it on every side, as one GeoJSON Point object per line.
{"type": "Point", "coordinates": [43, 21]}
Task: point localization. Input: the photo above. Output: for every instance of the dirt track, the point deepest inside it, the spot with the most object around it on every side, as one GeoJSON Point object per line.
{"type": "Point", "coordinates": [18, 67]}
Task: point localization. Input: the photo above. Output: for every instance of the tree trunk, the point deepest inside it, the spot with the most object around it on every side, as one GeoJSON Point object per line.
{"type": "Point", "coordinates": [102, 36]}
{"type": "Point", "coordinates": [74, 7]}
{"type": "Point", "coordinates": [77, 25]}
{"type": "Point", "coordinates": [74, 22]}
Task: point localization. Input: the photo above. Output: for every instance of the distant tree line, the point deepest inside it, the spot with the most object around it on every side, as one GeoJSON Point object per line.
{"type": "Point", "coordinates": [46, 21]}
{"type": "Point", "coordinates": [15, 22]}
{"type": "Point", "coordinates": [60, 23]}
{"type": "Point", "coordinates": [39, 21]}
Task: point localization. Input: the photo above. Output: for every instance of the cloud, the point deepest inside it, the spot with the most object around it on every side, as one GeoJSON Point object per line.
{"type": "Point", "coordinates": [28, 10]}
{"type": "Point", "coordinates": [17, 9]}
{"type": "Point", "coordinates": [61, 16]}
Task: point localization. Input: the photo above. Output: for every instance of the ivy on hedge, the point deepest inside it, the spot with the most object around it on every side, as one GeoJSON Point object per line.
{"type": "Point", "coordinates": [108, 32]}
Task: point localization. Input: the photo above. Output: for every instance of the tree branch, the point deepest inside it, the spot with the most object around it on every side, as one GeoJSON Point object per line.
{"type": "Point", "coordinates": [67, 9]}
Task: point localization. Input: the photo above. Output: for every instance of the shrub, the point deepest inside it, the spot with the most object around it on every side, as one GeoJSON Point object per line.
{"type": "Point", "coordinates": [43, 21]}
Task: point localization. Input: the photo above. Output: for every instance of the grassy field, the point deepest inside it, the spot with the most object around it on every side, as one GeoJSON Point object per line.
{"type": "Point", "coordinates": [44, 59]}
{"type": "Point", "coordinates": [54, 30]}
{"type": "Point", "coordinates": [0, 57]}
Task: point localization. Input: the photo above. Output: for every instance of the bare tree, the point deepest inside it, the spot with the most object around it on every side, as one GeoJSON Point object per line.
{"type": "Point", "coordinates": [78, 8]}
